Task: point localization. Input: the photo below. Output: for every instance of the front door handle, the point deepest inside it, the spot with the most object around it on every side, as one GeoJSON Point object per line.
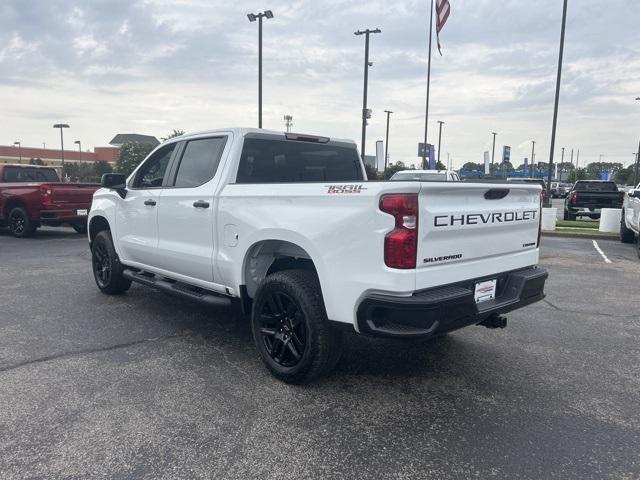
{"type": "Point", "coordinates": [151, 203]}
{"type": "Point", "coordinates": [201, 204]}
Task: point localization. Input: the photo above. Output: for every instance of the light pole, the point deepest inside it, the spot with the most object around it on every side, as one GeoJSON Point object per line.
{"type": "Point", "coordinates": [386, 142]}
{"type": "Point", "coordinates": [19, 150]}
{"type": "Point", "coordinates": [288, 122]}
{"type": "Point", "coordinates": [61, 126]}
{"type": "Point", "coordinates": [439, 139]}
{"type": "Point", "coordinates": [252, 18]}
{"type": "Point", "coordinates": [77, 142]}
{"type": "Point", "coordinates": [635, 175]}
{"type": "Point", "coordinates": [493, 149]}
{"type": "Point", "coordinates": [365, 112]}
{"type": "Point", "coordinates": [426, 114]}
{"type": "Point", "coordinates": [533, 152]}
{"type": "Point", "coordinates": [557, 99]}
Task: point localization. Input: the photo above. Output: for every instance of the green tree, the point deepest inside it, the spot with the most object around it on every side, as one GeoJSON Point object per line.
{"type": "Point", "coordinates": [175, 133]}
{"type": "Point", "coordinates": [440, 165]}
{"type": "Point", "coordinates": [596, 168]}
{"type": "Point", "coordinates": [393, 168]}
{"type": "Point", "coordinates": [36, 161]}
{"type": "Point", "coordinates": [473, 166]}
{"type": "Point", "coordinates": [131, 155]}
{"type": "Point", "coordinates": [100, 168]}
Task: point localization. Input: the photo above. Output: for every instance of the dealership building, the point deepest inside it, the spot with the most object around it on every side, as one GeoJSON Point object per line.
{"type": "Point", "coordinates": [52, 156]}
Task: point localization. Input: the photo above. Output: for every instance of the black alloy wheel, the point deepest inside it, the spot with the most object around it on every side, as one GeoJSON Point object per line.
{"type": "Point", "coordinates": [282, 329]}
{"type": "Point", "coordinates": [17, 223]}
{"type": "Point", "coordinates": [101, 264]}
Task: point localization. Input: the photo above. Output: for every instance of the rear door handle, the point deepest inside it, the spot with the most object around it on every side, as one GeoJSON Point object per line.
{"type": "Point", "coordinates": [151, 203]}
{"type": "Point", "coordinates": [201, 204]}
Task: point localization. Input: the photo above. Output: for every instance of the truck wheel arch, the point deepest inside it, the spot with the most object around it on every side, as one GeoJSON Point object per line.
{"type": "Point", "coordinates": [269, 256]}
{"type": "Point", "coordinates": [97, 224]}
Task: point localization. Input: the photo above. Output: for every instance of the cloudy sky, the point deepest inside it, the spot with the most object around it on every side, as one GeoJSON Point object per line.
{"type": "Point", "coordinates": [149, 66]}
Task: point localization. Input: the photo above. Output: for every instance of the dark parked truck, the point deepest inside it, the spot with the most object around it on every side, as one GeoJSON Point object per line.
{"type": "Point", "coordinates": [31, 196]}
{"type": "Point", "coordinates": [587, 198]}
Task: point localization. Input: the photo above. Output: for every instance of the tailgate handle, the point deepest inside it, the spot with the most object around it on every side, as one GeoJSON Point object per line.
{"type": "Point", "coordinates": [496, 193]}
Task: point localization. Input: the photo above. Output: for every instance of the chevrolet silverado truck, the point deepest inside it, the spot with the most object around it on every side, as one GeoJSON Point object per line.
{"type": "Point", "coordinates": [285, 227]}
{"type": "Point", "coordinates": [32, 195]}
{"type": "Point", "coordinates": [630, 219]}
{"type": "Point", "coordinates": [587, 198]}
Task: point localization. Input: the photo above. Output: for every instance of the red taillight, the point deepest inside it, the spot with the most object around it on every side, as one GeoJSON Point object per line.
{"type": "Point", "coordinates": [45, 193]}
{"type": "Point", "coordinates": [401, 244]}
{"type": "Point", "coordinates": [574, 198]}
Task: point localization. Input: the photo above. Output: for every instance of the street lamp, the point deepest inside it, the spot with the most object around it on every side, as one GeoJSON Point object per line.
{"type": "Point", "coordinates": [557, 100]}
{"type": "Point", "coordinates": [635, 175]}
{"type": "Point", "coordinates": [252, 18]}
{"type": "Point", "coordinates": [288, 122]}
{"type": "Point", "coordinates": [533, 152]}
{"type": "Point", "coordinates": [19, 150]}
{"type": "Point", "coordinates": [386, 142]}
{"type": "Point", "coordinates": [493, 150]}
{"type": "Point", "coordinates": [439, 139]}
{"type": "Point", "coordinates": [366, 113]}
{"type": "Point", "coordinates": [77, 142]}
{"type": "Point", "coordinates": [61, 126]}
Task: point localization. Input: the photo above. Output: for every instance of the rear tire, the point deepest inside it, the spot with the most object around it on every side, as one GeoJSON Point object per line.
{"type": "Point", "coordinates": [80, 227]}
{"type": "Point", "coordinates": [626, 235]}
{"type": "Point", "coordinates": [20, 223]}
{"type": "Point", "coordinates": [290, 327]}
{"type": "Point", "coordinates": [107, 269]}
{"type": "Point", "coordinates": [569, 216]}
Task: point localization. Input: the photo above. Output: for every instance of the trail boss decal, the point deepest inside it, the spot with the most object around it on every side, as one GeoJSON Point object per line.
{"type": "Point", "coordinates": [484, 218]}
{"type": "Point", "coordinates": [345, 188]}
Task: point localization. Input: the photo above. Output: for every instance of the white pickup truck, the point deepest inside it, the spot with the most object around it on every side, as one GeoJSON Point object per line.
{"type": "Point", "coordinates": [286, 227]}
{"type": "Point", "coordinates": [630, 220]}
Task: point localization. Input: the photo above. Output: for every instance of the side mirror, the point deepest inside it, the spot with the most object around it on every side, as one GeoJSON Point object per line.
{"type": "Point", "coordinates": [115, 181]}
{"type": "Point", "coordinates": [634, 193]}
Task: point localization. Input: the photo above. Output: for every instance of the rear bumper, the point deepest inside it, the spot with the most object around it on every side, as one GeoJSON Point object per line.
{"type": "Point", "coordinates": [62, 215]}
{"type": "Point", "coordinates": [443, 309]}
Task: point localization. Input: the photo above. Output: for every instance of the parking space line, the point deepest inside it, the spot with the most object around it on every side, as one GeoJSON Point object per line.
{"type": "Point", "coordinates": [599, 250]}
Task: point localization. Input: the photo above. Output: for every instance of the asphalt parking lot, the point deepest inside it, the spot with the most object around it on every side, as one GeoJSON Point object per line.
{"type": "Point", "coordinates": [148, 386]}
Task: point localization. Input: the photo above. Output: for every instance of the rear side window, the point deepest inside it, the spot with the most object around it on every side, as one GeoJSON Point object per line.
{"type": "Point", "coordinates": [287, 161]}
{"type": "Point", "coordinates": [199, 162]}
{"type": "Point", "coordinates": [29, 174]}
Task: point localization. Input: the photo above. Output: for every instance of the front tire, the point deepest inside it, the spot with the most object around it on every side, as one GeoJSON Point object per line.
{"type": "Point", "coordinates": [20, 223]}
{"type": "Point", "coordinates": [626, 235]}
{"type": "Point", "coordinates": [290, 327]}
{"type": "Point", "coordinates": [107, 269]}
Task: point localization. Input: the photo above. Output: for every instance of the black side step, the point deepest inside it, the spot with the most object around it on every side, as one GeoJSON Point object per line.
{"type": "Point", "coordinates": [206, 297]}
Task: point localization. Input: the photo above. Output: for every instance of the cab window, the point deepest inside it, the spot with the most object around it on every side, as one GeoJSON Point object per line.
{"type": "Point", "coordinates": [152, 171]}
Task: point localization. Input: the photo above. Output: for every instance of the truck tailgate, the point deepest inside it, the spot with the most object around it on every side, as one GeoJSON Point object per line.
{"type": "Point", "coordinates": [72, 194]}
{"type": "Point", "coordinates": [471, 230]}
{"type": "Point", "coordinates": [592, 200]}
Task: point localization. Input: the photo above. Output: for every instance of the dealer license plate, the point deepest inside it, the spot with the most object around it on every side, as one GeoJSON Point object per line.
{"type": "Point", "coordinates": [485, 291]}
{"type": "Point", "coordinates": [82, 211]}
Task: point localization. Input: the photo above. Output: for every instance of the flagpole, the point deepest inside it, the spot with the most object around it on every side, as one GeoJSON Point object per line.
{"type": "Point", "coordinates": [426, 116]}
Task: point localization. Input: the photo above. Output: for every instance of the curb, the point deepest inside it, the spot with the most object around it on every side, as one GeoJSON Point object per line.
{"type": "Point", "coordinates": [579, 235]}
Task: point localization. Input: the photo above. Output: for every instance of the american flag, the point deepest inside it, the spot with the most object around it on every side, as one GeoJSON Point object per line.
{"type": "Point", "coordinates": [442, 13]}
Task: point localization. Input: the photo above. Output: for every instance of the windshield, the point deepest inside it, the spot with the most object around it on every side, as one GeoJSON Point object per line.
{"type": "Point", "coordinates": [420, 176]}
{"type": "Point", "coordinates": [596, 187]}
